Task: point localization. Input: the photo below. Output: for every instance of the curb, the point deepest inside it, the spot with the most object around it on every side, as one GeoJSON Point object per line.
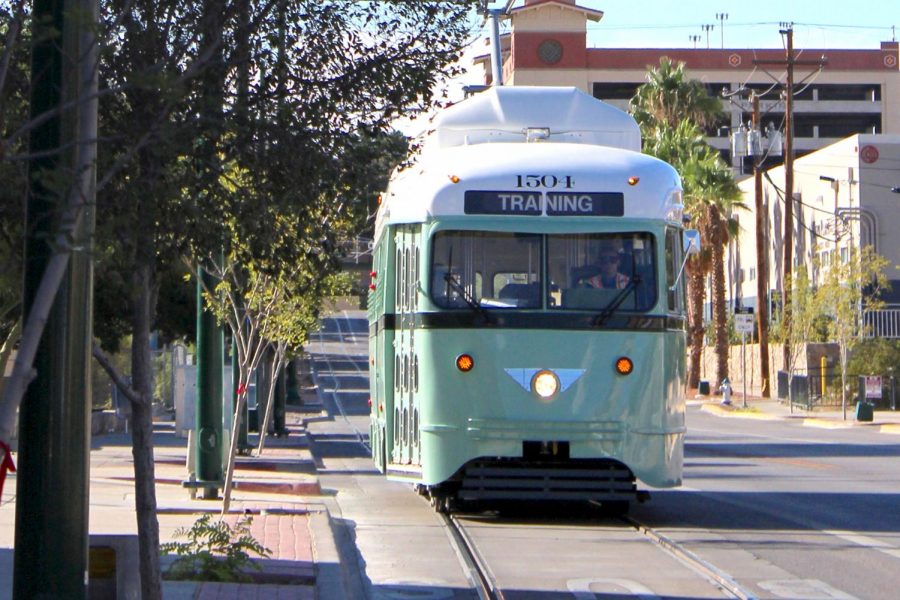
{"type": "Point", "coordinates": [826, 423]}
{"type": "Point", "coordinates": [818, 422]}
{"type": "Point", "coordinates": [720, 411]}
{"type": "Point", "coordinates": [296, 488]}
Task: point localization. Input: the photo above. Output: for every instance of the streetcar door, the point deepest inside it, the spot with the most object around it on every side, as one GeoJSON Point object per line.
{"type": "Point", "coordinates": [406, 414]}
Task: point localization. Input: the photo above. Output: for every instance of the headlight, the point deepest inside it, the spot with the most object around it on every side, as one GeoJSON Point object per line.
{"type": "Point", "coordinates": [545, 384]}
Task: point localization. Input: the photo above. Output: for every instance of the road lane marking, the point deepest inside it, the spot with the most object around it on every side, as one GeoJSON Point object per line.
{"type": "Point", "coordinates": [865, 541]}
{"type": "Point", "coordinates": [808, 589]}
{"type": "Point", "coordinates": [587, 589]}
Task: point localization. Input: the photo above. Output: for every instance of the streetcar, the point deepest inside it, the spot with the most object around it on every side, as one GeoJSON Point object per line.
{"type": "Point", "coordinates": [526, 309]}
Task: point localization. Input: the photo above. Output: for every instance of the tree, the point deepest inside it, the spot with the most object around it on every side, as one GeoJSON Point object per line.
{"type": "Point", "coordinates": [807, 310]}
{"type": "Point", "coordinates": [710, 196]}
{"type": "Point", "coordinates": [846, 289]}
{"type": "Point", "coordinates": [278, 88]}
{"type": "Point", "coordinates": [249, 143]}
{"type": "Point", "coordinates": [669, 97]}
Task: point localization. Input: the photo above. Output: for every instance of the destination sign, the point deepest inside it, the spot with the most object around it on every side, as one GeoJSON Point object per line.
{"type": "Point", "coordinates": [503, 203]}
{"type": "Point", "coordinates": [573, 204]}
{"type": "Point", "coordinates": [558, 204]}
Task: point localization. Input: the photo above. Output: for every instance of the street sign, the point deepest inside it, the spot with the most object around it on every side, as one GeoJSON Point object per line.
{"type": "Point", "coordinates": [873, 386]}
{"type": "Point", "coordinates": [743, 323]}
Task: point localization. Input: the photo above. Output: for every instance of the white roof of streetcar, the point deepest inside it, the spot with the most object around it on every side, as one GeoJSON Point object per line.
{"type": "Point", "coordinates": [481, 144]}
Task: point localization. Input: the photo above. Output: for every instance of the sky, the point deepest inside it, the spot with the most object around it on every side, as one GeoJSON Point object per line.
{"type": "Point", "coordinates": [670, 24]}
{"type": "Point", "coordinates": [829, 24]}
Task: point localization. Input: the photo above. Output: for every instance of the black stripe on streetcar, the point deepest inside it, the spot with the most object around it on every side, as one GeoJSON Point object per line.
{"type": "Point", "coordinates": [513, 319]}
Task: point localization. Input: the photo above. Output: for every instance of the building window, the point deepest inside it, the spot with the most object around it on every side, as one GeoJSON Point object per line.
{"type": "Point", "coordinates": [863, 92]}
{"type": "Point", "coordinates": [615, 90]}
{"type": "Point", "coordinates": [752, 273]}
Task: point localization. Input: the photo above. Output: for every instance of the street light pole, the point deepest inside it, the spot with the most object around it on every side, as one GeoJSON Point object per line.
{"type": "Point", "coordinates": [51, 534]}
{"type": "Point", "coordinates": [707, 29]}
{"type": "Point", "coordinates": [722, 17]}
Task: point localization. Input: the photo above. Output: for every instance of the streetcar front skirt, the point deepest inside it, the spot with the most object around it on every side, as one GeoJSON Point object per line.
{"type": "Point", "coordinates": [577, 480]}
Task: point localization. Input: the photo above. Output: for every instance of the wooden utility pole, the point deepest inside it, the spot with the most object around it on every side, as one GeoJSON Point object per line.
{"type": "Point", "coordinates": [762, 264]}
{"type": "Point", "coordinates": [788, 249]}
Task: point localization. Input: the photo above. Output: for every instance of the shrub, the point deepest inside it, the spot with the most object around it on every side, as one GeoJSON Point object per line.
{"type": "Point", "coordinates": [214, 551]}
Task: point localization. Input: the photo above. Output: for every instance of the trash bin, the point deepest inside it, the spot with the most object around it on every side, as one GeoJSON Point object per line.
{"type": "Point", "coordinates": [864, 411]}
{"type": "Point", "coordinates": [703, 388]}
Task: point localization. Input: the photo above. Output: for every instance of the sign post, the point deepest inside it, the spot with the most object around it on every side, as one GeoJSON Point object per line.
{"type": "Point", "coordinates": [743, 324]}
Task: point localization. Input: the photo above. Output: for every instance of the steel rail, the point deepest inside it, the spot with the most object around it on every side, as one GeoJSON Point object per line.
{"type": "Point", "coordinates": [708, 570]}
{"type": "Point", "coordinates": [473, 563]}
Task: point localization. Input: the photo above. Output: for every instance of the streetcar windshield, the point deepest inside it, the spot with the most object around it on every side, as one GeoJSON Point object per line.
{"type": "Point", "coordinates": [490, 269]}
{"type": "Point", "coordinates": [602, 271]}
{"type": "Point", "coordinates": [498, 270]}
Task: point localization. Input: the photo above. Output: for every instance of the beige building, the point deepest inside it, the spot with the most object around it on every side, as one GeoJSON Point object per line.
{"type": "Point", "coordinates": [845, 195]}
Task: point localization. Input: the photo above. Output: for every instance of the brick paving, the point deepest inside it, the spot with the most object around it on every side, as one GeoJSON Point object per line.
{"type": "Point", "coordinates": [289, 573]}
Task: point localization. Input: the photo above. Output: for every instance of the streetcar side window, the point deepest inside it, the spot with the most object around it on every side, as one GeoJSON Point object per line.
{"type": "Point", "coordinates": [494, 270]}
{"type": "Point", "coordinates": [674, 297]}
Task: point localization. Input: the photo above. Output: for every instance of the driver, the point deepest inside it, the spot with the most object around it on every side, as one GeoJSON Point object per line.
{"type": "Point", "coordinates": [608, 276]}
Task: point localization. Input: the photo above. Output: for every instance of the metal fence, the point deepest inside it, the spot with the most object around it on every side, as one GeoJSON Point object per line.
{"type": "Point", "coordinates": [882, 323]}
{"type": "Point", "coordinates": [815, 389]}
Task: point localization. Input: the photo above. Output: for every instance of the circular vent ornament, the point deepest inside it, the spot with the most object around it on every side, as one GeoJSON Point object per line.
{"type": "Point", "coordinates": [550, 52]}
{"type": "Point", "coordinates": [868, 154]}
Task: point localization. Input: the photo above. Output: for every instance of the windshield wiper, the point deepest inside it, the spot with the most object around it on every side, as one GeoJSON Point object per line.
{"type": "Point", "coordinates": [461, 290]}
{"type": "Point", "coordinates": [610, 309]}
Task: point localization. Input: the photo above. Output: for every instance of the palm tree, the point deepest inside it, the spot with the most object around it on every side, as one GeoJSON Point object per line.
{"type": "Point", "coordinates": [671, 110]}
{"type": "Point", "coordinates": [712, 194]}
{"type": "Point", "coordinates": [669, 97]}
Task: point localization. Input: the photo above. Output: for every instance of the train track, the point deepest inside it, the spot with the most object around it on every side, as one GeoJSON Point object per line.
{"type": "Point", "coordinates": [479, 574]}
{"type": "Point", "coordinates": [473, 563]}
{"type": "Point", "coordinates": [708, 570]}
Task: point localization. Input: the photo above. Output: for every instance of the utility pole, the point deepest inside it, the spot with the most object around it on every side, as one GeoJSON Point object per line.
{"type": "Point", "coordinates": [762, 264]}
{"type": "Point", "coordinates": [695, 39]}
{"type": "Point", "coordinates": [788, 252]}
{"type": "Point", "coordinates": [51, 537]}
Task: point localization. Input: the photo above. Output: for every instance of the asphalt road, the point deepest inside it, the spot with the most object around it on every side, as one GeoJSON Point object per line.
{"type": "Point", "coordinates": [780, 510]}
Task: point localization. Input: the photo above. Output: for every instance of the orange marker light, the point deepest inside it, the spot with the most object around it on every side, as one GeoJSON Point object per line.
{"type": "Point", "coordinates": [379, 199]}
{"type": "Point", "coordinates": [465, 363]}
{"type": "Point", "coordinates": [624, 366]}
{"type": "Point", "coordinates": [454, 179]}
{"type": "Point", "coordinates": [633, 180]}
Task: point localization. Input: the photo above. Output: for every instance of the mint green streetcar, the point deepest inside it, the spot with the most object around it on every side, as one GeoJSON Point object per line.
{"type": "Point", "coordinates": [526, 314]}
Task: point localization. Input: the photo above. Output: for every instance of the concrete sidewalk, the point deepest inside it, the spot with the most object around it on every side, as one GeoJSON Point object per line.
{"type": "Point", "coordinates": [279, 490]}
{"type": "Point", "coordinates": [884, 420]}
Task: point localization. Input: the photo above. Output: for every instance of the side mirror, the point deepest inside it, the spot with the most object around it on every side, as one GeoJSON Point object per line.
{"type": "Point", "coordinates": [691, 242]}
{"type": "Point", "coordinates": [691, 246]}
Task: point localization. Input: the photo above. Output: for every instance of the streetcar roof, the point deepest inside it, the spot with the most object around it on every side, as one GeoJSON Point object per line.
{"type": "Point", "coordinates": [510, 114]}
{"type": "Point", "coordinates": [436, 185]}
